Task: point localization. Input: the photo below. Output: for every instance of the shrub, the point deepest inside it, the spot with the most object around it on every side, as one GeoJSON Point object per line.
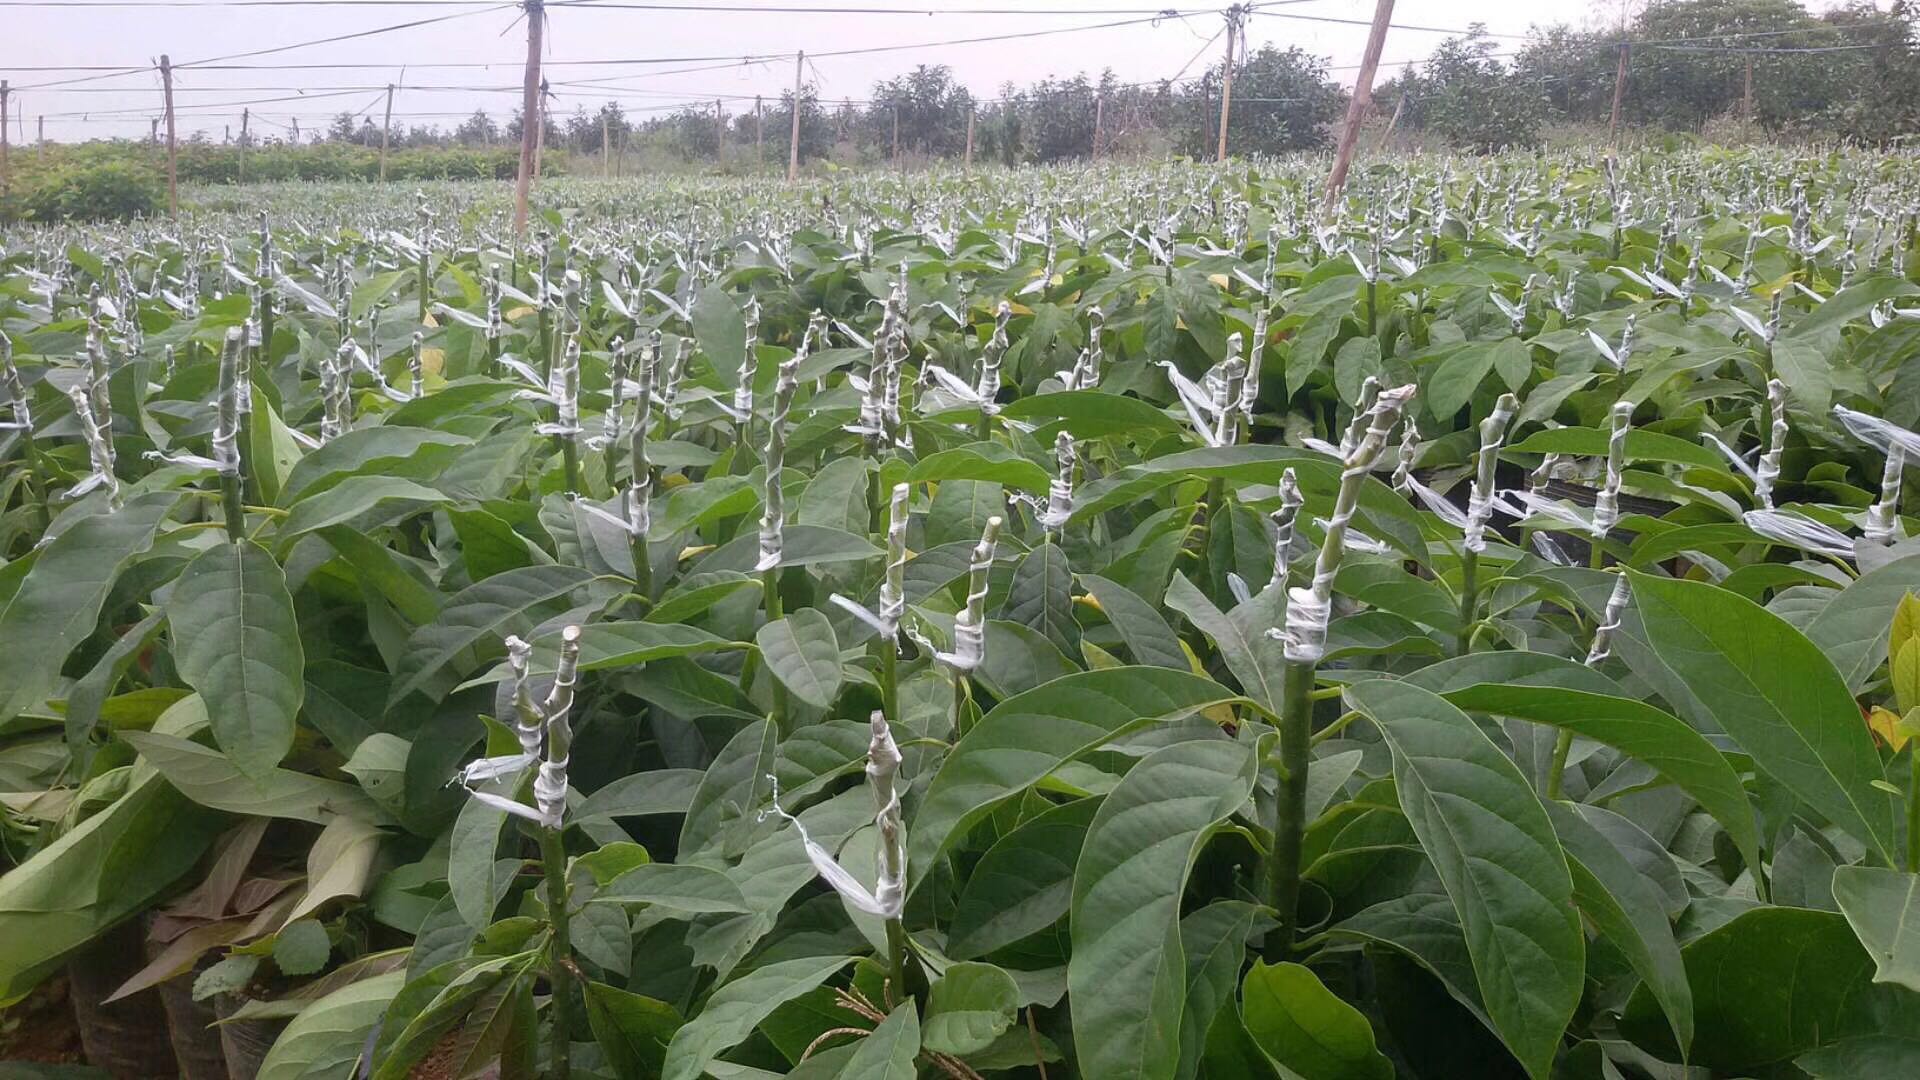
{"type": "Point", "coordinates": [111, 191]}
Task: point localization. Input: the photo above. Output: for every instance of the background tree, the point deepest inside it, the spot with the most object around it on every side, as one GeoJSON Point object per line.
{"type": "Point", "coordinates": [932, 107]}
{"type": "Point", "coordinates": [1474, 102]}
{"type": "Point", "coordinates": [1283, 101]}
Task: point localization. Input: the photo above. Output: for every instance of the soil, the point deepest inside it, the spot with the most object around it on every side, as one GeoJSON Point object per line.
{"type": "Point", "coordinates": [41, 1028]}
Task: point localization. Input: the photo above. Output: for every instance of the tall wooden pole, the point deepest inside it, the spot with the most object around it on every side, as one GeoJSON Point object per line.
{"type": "Point", "coordinates": [970, 115]}
{"type": "Point", "coordinates": [1393, 121]}
{"type": "Point", "coordinates": [40, 137]}
{"type": "Point", "coordinates": [166, 87]}
{"type": "Point", "coordinates": [1099, 118]}
{"type": "Point", "coordinates": [296, 130]}
{"type": "Point", "coordinates": [1619, 93]}
{"type": "Point", "coordinates": [896, 136]}
{"type": "Point", "coordinates": [606, 146]}
{"type": "Point", "coordinates": [245, 116]}
{"type": "Point", "coordinates": [386, 129]}
{"type": "Point", "coordinates": [529, 110]}
{"type": "Point", "coordinates": [1226, 86]}
{"type": "Point", "coordinates": [540, 139]}
{"type": "Point", "coordinates": [1746, 100]}
{"type": "Point", "coordinates": [759, 133]}
{"type": "Point", "coordinates": [719, 134]}
{"type": "Point", "coordinates": [793, 136]}
{"type": "Point", "coordinates": [6, 165]}
{"type": "Point", "coordinates": [1362, 98]}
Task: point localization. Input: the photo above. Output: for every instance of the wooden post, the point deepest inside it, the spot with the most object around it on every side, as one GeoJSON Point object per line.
{"type": "Point", "coordinates": [1226, 84]}
{"type": "Point", "coordinates": [1746, 101]}
{"type": "Point", "coordinates": [529, 108]}
{"type": "Point", "coordinates": [970, 115]}
{"type": "Point", "coordinates": [1362, 98]}
{"type": "Point", "coordinates": [6, 164]}
{"type": "Point", "coordinates": [1393, 121]}
{"type": "Point", "coordinates": [386, 128]}
{"type": "Point", "coordinates": [1619, 92]}
{"type": "Point", "coordinates": [540, 138]}
{"type": "Point", "coordinates": [166, 87]}
{"type": "Point", "coordinates": [606, 147]}
{"type": "Point", "coordinates": [759, 133]}
{"type": "Point", "coordinates": [793, 136]}
{"type": "Point", "coordinates": [245, 115]}
{"type": "Point", "coordinates": [719, 134]}
{"type": "Point", "coordinates": [296, 130]}
{"type": "Point", "coordinates": [896, 136]}
{"type": "Point", "coordinates": [40, 137]}
{"type": "Point", "coordinates": [1099, 118]}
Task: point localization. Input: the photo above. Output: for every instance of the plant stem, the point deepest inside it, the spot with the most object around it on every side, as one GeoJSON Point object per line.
{"type": "Point", "coordinates": [553, 854]}
{"type": "Point", "coordinates": [1562, 746]}
{"type": "Point", "coordinates": [770, 585]}
{"type": "Point", "coordinates": [959, 705]}
{"type": "Point", "coordinates": [1469, 596]}
{"type": "Point", "coordinates": [570, 459]}
{"type": "Point", "coordinates": [1290, 811]}
{"type": "Point", "coordinates": [896, 962]}
{"type": "Point", "coordinates": [889, 654]}
{"type": "Point", "coordinates": [1913, 809]}
{"type": "Point", "coordinates": [236, 515]}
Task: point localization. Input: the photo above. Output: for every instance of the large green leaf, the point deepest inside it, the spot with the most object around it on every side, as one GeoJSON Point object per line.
{"type": "Point", "coordinates": [1256, 660]}
{"type": "Point", "coordinates": [1682, 755]}
{"type": "Point", "coordinates": [1852, 628]}
{"type": "Point", "coordinates": [803, 653]}
{"type": "Point", "coordinates": [1027, 736]}
{"type": "Point", "coordinates": [1305, 1027]}
{"type": "Point", "coordinates": [994, 463]}
{"type": "Point", "coordinates": [1642, 445]}
{"type": "Point", "coordinates": [328, 1036]}
{"type": "Point", "coordinates": [802, 545]}
{"type": "Point", "coordinates": [1213, 941]}
{"type": "Point", "coordinates": [735, 1009]}
{"type": "Point", "coordinates": [1863, 1057]}
{"type": "Point", "coordinates": [1769, 985]}
{"type": "Point", "coordinates": [1092, 414]}
{"type": "Point", "coordinates": [1883, 907]}
{"type": "Point", "coordinates": [237, 643]}
{"type": "Point", "coordinates": [213, 780]}
{"type": "Point", "coordinates": [474, 623]}
{"type": "Point", "coordinates": [363, 501]}
{"type": "Point", "coordinates": [721, 331]}
{"type": "Point", "coordinates": [1041, 597]}
{"type": "Point", "coordinates": [968, 1008]}
{"type": "Point", "coordinates": [691, 890]}
{"type": "Point", "coordinates": [59, 600]}
{"type": "Point", "coordinates": [1127, 977]}
{"type": "Point", "coordinates": [1023, 884]}
{"type": "Point", "coordinates": [1630, 910]}
{"type": "Point", "coordinates": [1144, 630]}
{"type": "Point", "coordinates": [617, 645]}
{"type": "Point", "coordinates": [385, 450]}
{"type": "Point", "coordinates": [632, 1029]}
{"type": "Point", "coordinates": [888, 1053]}
{"type": "Point", "coordinates": [1495, 852]}
{"type": "Point", "coordinates": [1772, 690]}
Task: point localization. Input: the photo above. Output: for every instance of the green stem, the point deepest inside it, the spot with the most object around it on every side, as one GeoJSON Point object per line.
{"type": "Point", "coordinates": [1290, 812]}
{"type": "Point", "coordinates": [1469, 596]}
{"type": "Point", "coordinates": [896, 962]}
{"type": "Point", "coordinates": [770, 585]}
{"type": "Point", "coordinates": [889, 654]}
{"type": "Point", "coordinates": [553, 854]}
{"type": "Point", "coordinates": [570, 460]}
{"type": "Point", "coordinates": [1335, 728]}
{"type": "Point", "coordinates": [959, 705]}
{"type": "Point", "coordinates": [236, 515]}
{"type": "Point", "coordinates": [642, 569]}
{"type": "Point", "coordinates": [1556, 768]}
{"type": "Point", "coordinates": [1913, 809]}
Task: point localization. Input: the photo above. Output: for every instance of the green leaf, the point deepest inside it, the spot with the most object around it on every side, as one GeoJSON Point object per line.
{"type": "Point", "coordinates": [363, 501]}
{"type": "Point", "coordinates": [1041, 597]}
{"type": "Point", "coordinates": [1127, 975]}
{"type": "Point", "coordinates": [1773, 983]}
{"type": "Point", "coordinates": [475, 622]}
{"type": "Point", "coordinates": [1642, 445]}
{"type": "Point", "coordinates": [1214, 943]}
{"type": "Point", "coordinates": [416, 452]}
{"type": "Point", "coordinates": [476, 877]}
{"type": "Point", "coordinates": [659, 791]}
{"type": "Point", "coordinates": [695, 594]}
{"type": "Point", "coordinates": [1883, 907]}
{"type": "Point", "coordinates": [888, 1053]}
{"type": "Point", "coordinates": [1680, 754]}
{"type": "Point", "coordinates": [802, 545]}
{"type": "Point", "coordinates": [327, 1037]}
{"type": "Point", "coordinates": [1772, 690]}
{"type": "Point", "coordinates": [1022, 739]}
{"type": "Point", "coordinates": [1852, 628]}
{"type": "Point", "coordinates": [237, 643]}
{"type": "Point", "coordinates": [90, 692]}
{"type": "Point", "coordinates": [1255, 659]}
{"type": "Point", "coordinates": [836, 497]}
{"type": "Point", "coordinates": [721, 331]}
{"type": "Point", "coordinates": [1496, 854]}
{"type": "Point", "coordinates": [632, 1029]}
{"type": "Point", "coordinates": [213, 779]}
{"type": "Point", "coordinates": [301, 948]}
{"type": "Point", "coordinates": [616, 645]}
{"type": "Point", "coordinates": [690, 890]}
{"type": "Point", "coordinates": [1023, 884]}
{"type": "Point", "coordinates": [1305, 1027]}
{"type": "Point", "coordinates": [1629, 909]}
{"type": "Point", "coordinates": [1091, 414]}
{"type": "Point", "coordinates": [229, 976]}
{"type": "Point", "coordinates": [1426, 928]}
{"type": "Point", "coordinates": [735, 1009]}
{"type": "Point", "coordinates": [1146, 633]}
{"type": "Point", "coordinates": [58, 603]}
{"type": "Point", "coordinates": [731, 791]}
{"type": "Point", "coordinates": [272, 452]}
{"type": "Point", "coordinates": [994, 463]}
{"type": "Point", "coordinates": [1449, 388]}
{"type": "Point", "coordinates": [968, 1008]}
{"type": "Point", "coordinates": [802, 652]}
{"type": "Point", "coordinates": [1863, 1057]}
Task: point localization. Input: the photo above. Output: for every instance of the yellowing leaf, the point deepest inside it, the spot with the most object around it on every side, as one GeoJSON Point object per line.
{"type": "Point", "coordinates": [1089, 600]}
{"type": "Point", "coordinates": [433, 361]}
{"type": "Point", "coordinates": [1906, 624]}
{"type": "Point", "coordinates": [1905, 668]}
{"type": "Point", "coordinates": [671, 481]}
{"type": "Point", "coordinates": [1888, 728]}
{"type": "Point", "coordinates": [516, 314]}
{"type": "Point", "coordinates": [1219, 280]}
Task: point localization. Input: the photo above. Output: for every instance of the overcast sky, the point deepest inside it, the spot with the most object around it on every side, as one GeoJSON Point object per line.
{"type": "Point", "coordinates": [209, 100]}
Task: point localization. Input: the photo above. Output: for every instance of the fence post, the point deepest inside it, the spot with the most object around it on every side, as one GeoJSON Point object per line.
{"type": "Point", "coordinates": [1619, 92]}
{"type": "Point", "coordinates": [529, 111]}
{"type": "Point", "coordinates": [386, 127]}
{"type": "Point", "coordinates": [793, 137]}
{"type": "Point", "coordinates": [970, 115]}
{"type": "Point", "coordinates": [166, 86]}
{"type": "Point", "coordinates": [1362, 98]}
{"type": "Point", "coordinates": [1226, 86]}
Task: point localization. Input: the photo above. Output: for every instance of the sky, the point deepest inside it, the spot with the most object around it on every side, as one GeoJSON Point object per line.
{"type": "Point", "coordinates": [131, 34]}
